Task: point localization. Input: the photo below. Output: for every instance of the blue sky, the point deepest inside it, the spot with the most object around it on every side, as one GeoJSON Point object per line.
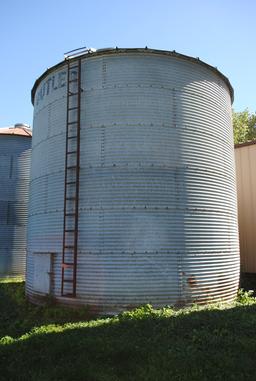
{"type": "Point", "coordinates": [34, 35]}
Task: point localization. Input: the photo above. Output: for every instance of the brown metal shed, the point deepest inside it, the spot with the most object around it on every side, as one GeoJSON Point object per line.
{"type": "Point", "coordinates": [245, 155]}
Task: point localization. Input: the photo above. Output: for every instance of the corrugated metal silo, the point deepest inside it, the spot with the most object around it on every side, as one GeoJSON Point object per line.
{"type": "Point", "coordinates": [15, 155]}
{"type": "Point", "coordinates": [157, 217]}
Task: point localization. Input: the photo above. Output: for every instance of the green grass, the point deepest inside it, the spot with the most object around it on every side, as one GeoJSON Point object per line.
{"type": "Point", "coordinates": [18, 316]}
{"type": "Point", "coordinates": [217, 342]}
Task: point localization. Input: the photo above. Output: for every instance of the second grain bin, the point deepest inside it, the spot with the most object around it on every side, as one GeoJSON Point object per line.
{"type": "Point", "coordinates": [133, 196]}
{"type": "Point", "coordinates": [15, 154]}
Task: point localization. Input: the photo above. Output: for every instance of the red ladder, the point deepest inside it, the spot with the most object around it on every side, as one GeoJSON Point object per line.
{"type": "Point", "coordinates": [71, 185]}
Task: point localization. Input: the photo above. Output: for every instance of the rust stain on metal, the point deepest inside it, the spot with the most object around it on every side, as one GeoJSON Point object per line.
{"type": "Point", "coordinates": [192, 281]}
{"type": "Point", "coordinates": [180, 303]}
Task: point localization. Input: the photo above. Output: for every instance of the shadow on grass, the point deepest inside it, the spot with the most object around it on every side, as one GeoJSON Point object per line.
{"type": "Point", "coordinates": [200, 345]}
{"type": "Point", "coordinates": [165, 345]}
{"type": "Point", "coordinates": [18, 316]}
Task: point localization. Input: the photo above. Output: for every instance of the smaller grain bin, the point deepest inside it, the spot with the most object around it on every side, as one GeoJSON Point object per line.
{"type": "Point", "coordinates": [245, 155]}
{"type": "Point", "coordinates": [15, 155]}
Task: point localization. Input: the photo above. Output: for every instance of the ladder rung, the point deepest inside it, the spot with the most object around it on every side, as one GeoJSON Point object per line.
{"type": "Point", "coordinates": [72, 67]}
{"type": "Point", "coordinates": [70, 123]}
{"type": "Point", "coordinates": [69, 247]}
{"type": "Point", "coordinates": [70, 230]}
{"type": "Point", "coordinates": [69, 152]}
{"type": "Point", "coordinates": [72, 108]}
{"type": "Point", "coordinates": [70, 214]}
{"type": "Point", "coordinates": [69, 295]}
{"type": "Point", "coordinates": [70, 198]}
{"type": "Point", "coordinates": [67, 265]}
{"type": "Point", "coordinates": [68, 280]}
{"type": "Point", "coordinates": [70, 182]}
{"type": "Point", "coordinates": [71, 94]}
{"type": "Point", "coordinates": [72, 137]}
{"type": "Point", "coordinates": [72, 167]}
{"type": "Point", "coordinates": [73, 80]}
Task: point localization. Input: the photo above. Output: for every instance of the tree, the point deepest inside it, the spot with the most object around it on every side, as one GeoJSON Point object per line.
{"type": "Point", "coordinates": [244, 126]}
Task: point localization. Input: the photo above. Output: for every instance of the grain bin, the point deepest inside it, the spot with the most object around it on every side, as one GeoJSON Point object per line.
{"type": "Point", "coordinates": [245, 155]}
{"type": "Point", "coordinates": [15, 153]}
{"type": "Point", "coordinates": [133, 195]}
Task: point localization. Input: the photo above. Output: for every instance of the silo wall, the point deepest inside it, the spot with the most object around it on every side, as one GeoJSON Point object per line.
{"type": "Point", "coordinates": [15, 155]}
{"type": "Point", "coordinates": [157, 207]}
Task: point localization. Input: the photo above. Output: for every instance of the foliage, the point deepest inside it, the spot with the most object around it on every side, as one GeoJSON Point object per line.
{"type": "Point", "coordinates": [244, 126]}
{"type": "Point", "coordinates": [245, 297]}
{"type": "Point", "coordinates": [215, 342]}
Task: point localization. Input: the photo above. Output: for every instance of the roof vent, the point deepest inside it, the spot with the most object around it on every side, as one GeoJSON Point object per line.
{"type": "Point", "coordinates": [21, 125]}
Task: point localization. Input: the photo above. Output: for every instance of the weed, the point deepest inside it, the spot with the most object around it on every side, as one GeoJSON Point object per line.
{"type": "Point", "coordinates": [245, 297]}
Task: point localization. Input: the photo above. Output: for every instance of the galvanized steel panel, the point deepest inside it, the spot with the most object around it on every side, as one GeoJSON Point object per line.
{"type": "Point", "coordinates": [15, 155]}
{"type": "Point", "coordinates": [157, 210]}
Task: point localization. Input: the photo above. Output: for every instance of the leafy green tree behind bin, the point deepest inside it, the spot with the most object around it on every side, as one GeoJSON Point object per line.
{"type": "Point", "coordinates": [244, 126]}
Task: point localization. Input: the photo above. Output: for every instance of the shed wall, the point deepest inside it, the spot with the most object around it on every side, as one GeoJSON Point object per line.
{"type": "Point", "coordinates": [246, 192]}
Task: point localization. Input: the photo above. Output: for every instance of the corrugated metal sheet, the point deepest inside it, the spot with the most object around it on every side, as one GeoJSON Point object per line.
{"type": "Point", "coordinates": [157, 211]}
{"type": "Point", "coordinates": [15, 155]}
{"type": "Point", "coordinates": [246, 191]}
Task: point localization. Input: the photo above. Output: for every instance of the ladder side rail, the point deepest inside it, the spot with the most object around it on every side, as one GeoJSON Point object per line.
{"type": "Point", "coordinates": [71, 169]}
{"type": "Point", "coordinates": [77, 173]}
{"type": "Point", "coordinates": [65, 187]}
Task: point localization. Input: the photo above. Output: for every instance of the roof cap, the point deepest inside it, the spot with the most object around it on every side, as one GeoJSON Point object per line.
{"type": "Point", "coordinates": [19, 129]}
{"type": "Point", "coordinates": [83, 54]}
